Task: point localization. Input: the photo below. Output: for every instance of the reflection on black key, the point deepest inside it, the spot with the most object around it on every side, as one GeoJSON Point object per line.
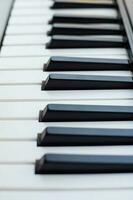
{"type": "Point", "coordinates": [86, 82]}
{"type": "Point", "coordinates": [84, 30]}
{"type": "Point", "coordinates": [83, 164]}
{"type": "Point", "coordinates": [84, 42]}
{"type": "Point", "coordinates": [62, 136]}
{"type": "Point", "coordinates": [69, 113]}
{"type": "Point", "coordinates": [83, 20]}
{"type": "Point", "coordinates": [82, 4]}
{"type": "Point", "coordinates": [56, 63]}
{"type": "Point", "coordinates": [60, 63]}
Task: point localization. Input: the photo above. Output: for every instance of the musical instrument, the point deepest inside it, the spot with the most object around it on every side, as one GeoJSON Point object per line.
{"type": "Point", "coordinates": [66, 99]}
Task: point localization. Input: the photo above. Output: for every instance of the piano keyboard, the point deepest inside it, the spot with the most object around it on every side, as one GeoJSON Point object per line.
{"type": "Point", "coordinates": [66, 99]}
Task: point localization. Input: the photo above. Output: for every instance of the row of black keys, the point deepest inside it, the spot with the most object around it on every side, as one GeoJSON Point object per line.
{"type": "Point", "coordinates": [57, 136]}
{"type": "Point", "coordinates": [62, 18]}
{"type": "Point", "coordinates": [61, 35]}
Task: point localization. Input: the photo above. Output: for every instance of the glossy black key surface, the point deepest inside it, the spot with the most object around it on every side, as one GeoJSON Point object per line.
{"type": "Point", "coordinates": [83, 20]}
{"type": "Point", "coordinates": [85, 42]}
{"type": "Point", "coordinates": [86, 82]}
{"type": "Point", "coordinates": [82, 4]}
{"type": "Point", "coordinates": [63, 136]}
{"type": "Point", "coordinates": [83, 164]}
{"type": "Point", "coordinates": [69, 113]}
{"type": "Point", "coordinates": [60, 63]}
{"type": "Point", "coordinates": [58, 29]}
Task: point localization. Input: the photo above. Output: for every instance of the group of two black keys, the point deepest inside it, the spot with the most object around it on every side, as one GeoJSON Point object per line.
{"type": "Point", "coordinates": [56, 81]}
{"type": "Point", "coordinates": [69, 31]}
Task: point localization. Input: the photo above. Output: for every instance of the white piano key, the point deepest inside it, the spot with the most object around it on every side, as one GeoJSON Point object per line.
{"type": "Point", "coordinates": [43, 19]}
{"type": "Point", "coordinates": [41, 39]}
{"type": "Point", "coordinates": [108, 13]}
{"type": "Point", "coordinates": [42, 29]}
{"type": "Point", "coordinates": [36, 63]}
{"type": "Point", "coordinates": [29, 11]}
{"type": "Point", "coordinates": [39, 50]}
{"type": "Point", "coordinates": [27, 130]}
{"type": "Point", "coordinates": [22, 177]}
{"type": "Point", "coordinates": [27, 29]}
{"type": "Point", "coordinates": [30, 152]}
{"type": "Point", "coordinates": [30, 20]}
{"type": "Point", "coordinates": [29, 110]}
{"type": "Point", "coordinates": [70, 194]}
{"type": "Point", "coordinates": [33, 92]}
{"type": "Point", "coordinates": [44, 10]}
{"type": "Point", "coordinates": [32, 4]}
{"type": "Point", "coordinates": [20, 63]}
{"type": "Point", "coordinates": [8, 77]}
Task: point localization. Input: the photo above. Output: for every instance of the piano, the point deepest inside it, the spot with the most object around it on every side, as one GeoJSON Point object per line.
{"type": "Point", "coordinates": [66, 99]}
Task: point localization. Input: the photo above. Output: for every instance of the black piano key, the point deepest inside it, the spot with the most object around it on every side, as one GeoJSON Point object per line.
{"type": "Point", "coordinates": [82, 4]}
{"type": "Point", "coordinates": [57, 29]}
{"type": "Point", "coordinates": [62, 136]}
{"type": "Point", "coordinates": [69, 113]}
{"type": "Point", "coordinates": [86, 82]}
{"type": "Point", "coordinates": [83, 164]}
{"type": "Point", "coordinates": [60, 63]}
{"type": "Point", "coordinates": [84, 42]}
{"type": "Point", "coordinates": [83, 20]}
